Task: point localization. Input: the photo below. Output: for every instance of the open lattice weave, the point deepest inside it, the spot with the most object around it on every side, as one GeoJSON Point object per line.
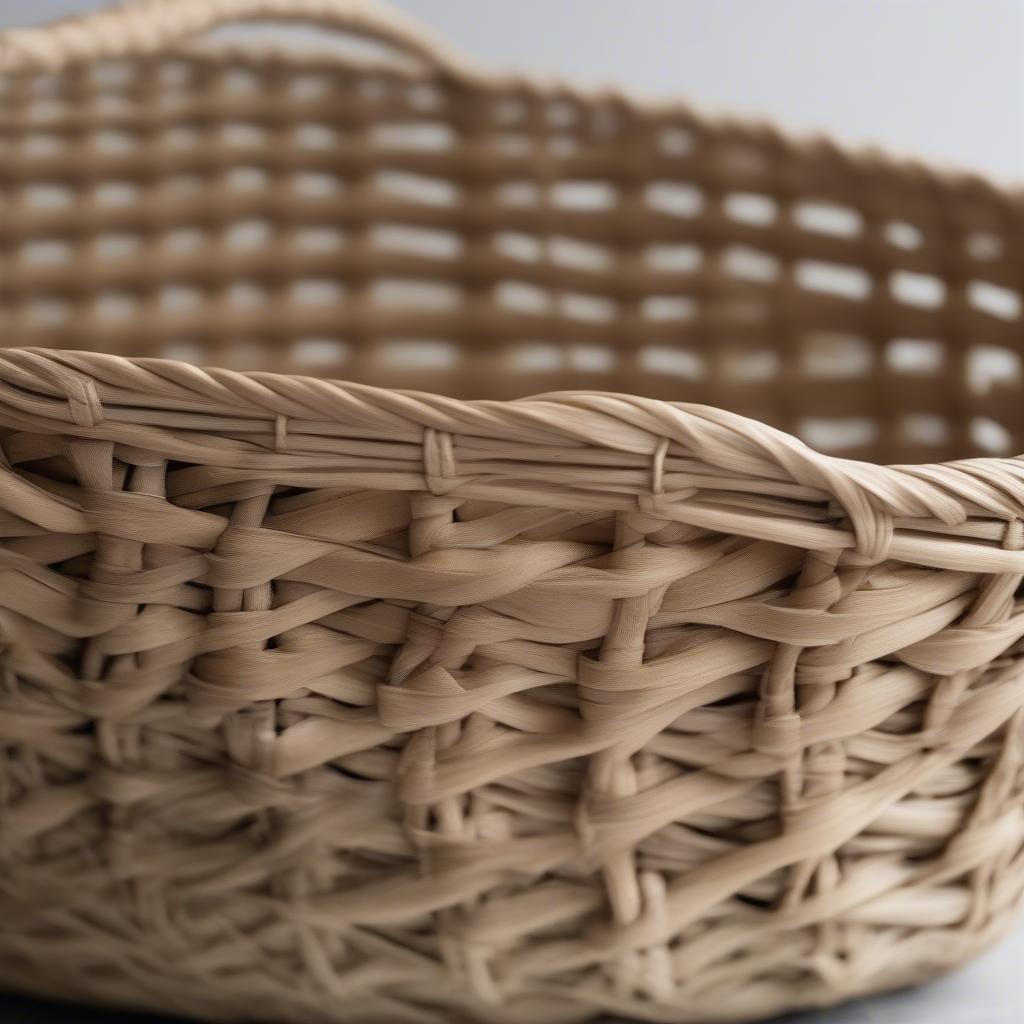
{"type": "Point", "coordinates": [328, 702]}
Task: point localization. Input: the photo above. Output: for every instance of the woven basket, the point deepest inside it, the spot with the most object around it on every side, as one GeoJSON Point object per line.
{"type": "Point", "coordinates": [332, 702]}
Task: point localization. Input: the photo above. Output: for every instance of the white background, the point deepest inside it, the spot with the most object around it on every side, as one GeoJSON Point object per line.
{"type": "Point", "coordinates": [941, 80]}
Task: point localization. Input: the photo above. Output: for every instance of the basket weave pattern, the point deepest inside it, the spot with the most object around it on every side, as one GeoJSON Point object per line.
{"type": "Point", "coordinates": [342, 702]}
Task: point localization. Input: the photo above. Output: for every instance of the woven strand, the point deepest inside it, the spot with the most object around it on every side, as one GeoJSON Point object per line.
{"type": "Point", "coordinates": [419, 699]}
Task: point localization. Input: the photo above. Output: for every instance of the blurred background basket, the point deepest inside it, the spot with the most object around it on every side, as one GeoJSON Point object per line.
{"type": "Point", "coordinates": [331, 701]}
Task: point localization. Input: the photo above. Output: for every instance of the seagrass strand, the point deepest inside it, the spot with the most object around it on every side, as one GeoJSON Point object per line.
{"type": "Point", "coordinates": [339, 681]}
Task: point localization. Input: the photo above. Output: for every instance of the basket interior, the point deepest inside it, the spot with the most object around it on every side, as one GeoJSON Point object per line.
{"type": "Point", "coordinates": [402, 229]}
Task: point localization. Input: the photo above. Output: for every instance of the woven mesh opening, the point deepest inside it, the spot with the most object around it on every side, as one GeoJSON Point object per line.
{"type": "Point", "coordinates": [369, 224]}
{"type": "Point", "coordinates": [376, 225]}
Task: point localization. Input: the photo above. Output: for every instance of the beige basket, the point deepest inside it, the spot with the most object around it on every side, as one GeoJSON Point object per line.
{"type": "Point", "coordinates": [328, 702]}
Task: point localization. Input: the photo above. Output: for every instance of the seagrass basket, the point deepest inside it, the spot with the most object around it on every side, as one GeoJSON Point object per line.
{"type": "Point", "coordinates": [345, 702]}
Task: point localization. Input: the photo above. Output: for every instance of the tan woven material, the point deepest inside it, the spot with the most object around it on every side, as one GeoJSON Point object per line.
{"type": "Point", "coordinates": [336, 702]}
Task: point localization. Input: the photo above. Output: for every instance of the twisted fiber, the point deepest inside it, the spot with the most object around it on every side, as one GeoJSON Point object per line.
{"type": "Point", "coordinates": [327, 701]}
{"type": "Point", "coordinates": [718, 450]}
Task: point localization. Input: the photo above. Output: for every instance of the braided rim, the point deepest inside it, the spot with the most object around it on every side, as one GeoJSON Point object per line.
{"type": "Point", "coordinates": [678, 461]}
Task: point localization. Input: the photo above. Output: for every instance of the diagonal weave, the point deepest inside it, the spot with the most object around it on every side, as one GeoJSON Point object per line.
{"type": "Point", "coordinates": [332, 702]}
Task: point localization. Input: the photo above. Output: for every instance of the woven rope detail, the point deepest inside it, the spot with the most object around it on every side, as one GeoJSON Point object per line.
{"type": "Point", "coordinates": [341, 702]}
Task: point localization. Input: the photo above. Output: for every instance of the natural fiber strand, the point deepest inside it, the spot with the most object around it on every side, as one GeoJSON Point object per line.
{"type": "Point", "coordinates": [416, 700]}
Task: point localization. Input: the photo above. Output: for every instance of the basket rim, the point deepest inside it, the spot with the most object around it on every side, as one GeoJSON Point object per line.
{"type": "Point", "coordinates": [676, 461]}
{"type": "Point", "coordinates": [66, 42]}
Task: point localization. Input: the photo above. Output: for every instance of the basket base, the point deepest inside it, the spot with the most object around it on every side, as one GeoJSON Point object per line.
{"type": "Point", "coordinates": [923, 956]}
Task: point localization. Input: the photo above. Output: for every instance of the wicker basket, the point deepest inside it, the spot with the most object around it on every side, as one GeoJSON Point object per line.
{"type": "Point", "coordinates": [331, 702]}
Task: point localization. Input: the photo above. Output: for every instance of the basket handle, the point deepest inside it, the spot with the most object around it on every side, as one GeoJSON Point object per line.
{"type": "Point", "coordinates": [149, 26]}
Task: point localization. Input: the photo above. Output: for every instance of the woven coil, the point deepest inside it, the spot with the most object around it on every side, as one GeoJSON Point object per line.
{"type": "Point", "coordinates": [417, 700]}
